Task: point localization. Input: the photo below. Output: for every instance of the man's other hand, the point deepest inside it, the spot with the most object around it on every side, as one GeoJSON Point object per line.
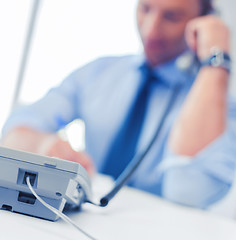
{"type": "Point", "coordinates": [47, 144]}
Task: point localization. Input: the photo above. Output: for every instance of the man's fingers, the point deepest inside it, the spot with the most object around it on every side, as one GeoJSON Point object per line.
{"type": "Point", "coordinates": [191, 37]}
{"type": "Point", "coordinates": [63, 150]}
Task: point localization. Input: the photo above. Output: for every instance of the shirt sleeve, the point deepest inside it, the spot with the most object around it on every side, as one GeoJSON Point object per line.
{"type": "Point", "coordinates": [50, 113]}
{"type": "Point", "coordinates": [59, 106]}
{"type": "Point", "coordinates": [202, 180]}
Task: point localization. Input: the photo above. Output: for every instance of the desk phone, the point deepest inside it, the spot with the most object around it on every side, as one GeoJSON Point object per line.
{"type": "Point", "coordinates": [60, 183]}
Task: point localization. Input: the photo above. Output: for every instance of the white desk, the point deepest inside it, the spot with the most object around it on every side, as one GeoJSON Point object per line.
{"type": "Point", "coordinates": [132, 214]}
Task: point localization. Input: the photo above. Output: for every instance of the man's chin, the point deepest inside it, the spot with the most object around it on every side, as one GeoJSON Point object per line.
{"type": "Point", "coordinates": [158, 59]}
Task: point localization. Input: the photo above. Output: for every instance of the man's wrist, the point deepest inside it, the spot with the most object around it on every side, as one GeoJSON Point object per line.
{"type": "Point", "coordinates": [217, 59]}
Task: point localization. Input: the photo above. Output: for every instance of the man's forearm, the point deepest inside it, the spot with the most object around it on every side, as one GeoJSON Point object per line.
{"type": "Point", "coordinates": [203, 116]}
{"type": "Point", "coordinates": [26, 139]}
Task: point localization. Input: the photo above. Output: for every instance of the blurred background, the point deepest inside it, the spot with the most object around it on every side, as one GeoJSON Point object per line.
{"type": "Point", "coordinates": [65, 34]}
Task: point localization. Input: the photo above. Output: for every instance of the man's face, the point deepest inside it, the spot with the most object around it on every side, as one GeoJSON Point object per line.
{"type": "Point", "coordinates": [161, 25]}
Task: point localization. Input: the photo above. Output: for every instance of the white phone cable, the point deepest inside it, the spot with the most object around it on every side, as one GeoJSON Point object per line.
{"type": "Point", "coordinates": [56, 211]}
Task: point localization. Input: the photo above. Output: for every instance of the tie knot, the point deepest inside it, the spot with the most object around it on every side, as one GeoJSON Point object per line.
{"type": "Point", "coordinates": [147, 73]}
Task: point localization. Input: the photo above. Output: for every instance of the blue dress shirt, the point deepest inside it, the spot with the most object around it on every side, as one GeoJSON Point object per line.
{"type": "Point", "coordinates": [101, 93]}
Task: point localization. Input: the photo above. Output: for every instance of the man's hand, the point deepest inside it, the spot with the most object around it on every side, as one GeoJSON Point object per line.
{"type": "Point", "coordinates": [46, 144]}
{"type": "Point", "coordinates": [206, 32]}
{"type": "Point", "coordinates": [56, 147]}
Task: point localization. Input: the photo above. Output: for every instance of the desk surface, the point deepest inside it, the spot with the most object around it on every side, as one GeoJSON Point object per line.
{"type": "Point", "coordinates": [131, 215]}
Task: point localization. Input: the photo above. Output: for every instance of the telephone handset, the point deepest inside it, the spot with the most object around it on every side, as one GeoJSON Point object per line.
{"type": "Point", "coordinates": [188, 62]}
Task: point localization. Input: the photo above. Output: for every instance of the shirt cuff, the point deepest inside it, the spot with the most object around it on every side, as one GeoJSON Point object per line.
{"type": "Point", "coordinates": [217, 160]}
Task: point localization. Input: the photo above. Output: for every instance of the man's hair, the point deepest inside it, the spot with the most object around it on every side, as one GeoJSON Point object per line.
{"type": "Point", "coordinates": [207, 7]}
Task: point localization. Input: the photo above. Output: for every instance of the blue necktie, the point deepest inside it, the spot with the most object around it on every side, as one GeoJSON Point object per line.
{"type": "Point", "coordinates": [123, 147]}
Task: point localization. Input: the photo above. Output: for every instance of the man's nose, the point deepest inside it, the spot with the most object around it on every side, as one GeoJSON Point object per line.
{"type": "Point", "coordinates": [153, 26]}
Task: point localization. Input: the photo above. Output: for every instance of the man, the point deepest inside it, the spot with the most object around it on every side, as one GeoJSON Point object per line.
{"type": "Point", "coordinates": [193, 159]}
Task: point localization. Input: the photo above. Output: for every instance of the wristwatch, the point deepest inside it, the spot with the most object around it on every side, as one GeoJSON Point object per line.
{"type": "Point", "coordinates": [218, 58]}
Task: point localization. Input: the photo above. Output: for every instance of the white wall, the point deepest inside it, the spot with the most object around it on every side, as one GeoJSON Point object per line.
{"type": "Point", "coordinates": [227, 10]}
{"type": "Point", "coordinates": [13, 19]}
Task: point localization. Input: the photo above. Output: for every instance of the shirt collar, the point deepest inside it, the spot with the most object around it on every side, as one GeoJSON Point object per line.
{"type": "Point", "coordinates": [170, 73]}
